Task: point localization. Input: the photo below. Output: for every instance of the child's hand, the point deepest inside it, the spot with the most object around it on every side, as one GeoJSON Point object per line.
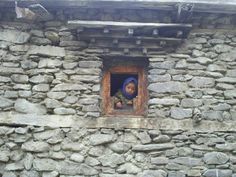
{"type": "Point", "coordinates": [130, 102]}
{"type": "Point", "coordinates": [119, 105]}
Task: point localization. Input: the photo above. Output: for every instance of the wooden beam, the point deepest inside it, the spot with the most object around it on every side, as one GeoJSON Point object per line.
{"type": "Point", "coordinates": [213, 6]}
{"type": "Point", "coordinates": [130, 25]}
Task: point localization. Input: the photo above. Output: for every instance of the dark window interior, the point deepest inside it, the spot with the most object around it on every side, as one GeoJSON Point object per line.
{"type": "Point", "coordinates": [117, 81]}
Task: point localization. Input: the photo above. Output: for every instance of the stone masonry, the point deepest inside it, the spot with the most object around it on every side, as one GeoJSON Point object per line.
{"type": "Point", "coordinates": [44, 71]}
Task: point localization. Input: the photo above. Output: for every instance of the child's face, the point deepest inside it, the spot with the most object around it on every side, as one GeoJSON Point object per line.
{"type": "Point", "coordinates": [130, 88]}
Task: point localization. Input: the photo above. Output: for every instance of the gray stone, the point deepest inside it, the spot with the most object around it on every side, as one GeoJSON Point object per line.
{"type": "Point", "coordinates": [4, 102]}
{"type": "Point", "coordinates": [176, 174]}
{"type": "Point", "coordinates": [230, 94]}
{"type": "Point", "coordinates": [64, 111]}
{"type": "Point", "coordinates": [29, 174]}
{"type": "Point", "coordinates": [99, 139]}
{"type": "Point", "coordinates": [19, 48]}
{"type": "Point", "coordinates": [39, 79]}
{"type": "Point", "coordinates": [5, 79]}
{"type": "Point", "coordinates": [120, 147]}
{"type": "Point", "coordinates": [181, 64]}
{"type": "Point", "coordinates": [24, 106]}
{"type": "Point", "coordinates": [69, 146]}
{"type": "Point", "coordinates": [111, 160]}
{"type": "Point", "coordinates": [52, 36]}
{"type": "Point", "coordinates": [9, 174]}
{"type": "Point", "coordinates": [156, 71]}
{"type": "Point", "coordinates": [231, 73]}
{"type": "Point", "coordinates": [222, 48]}
{"type": "Point", "coordinates": [214, 67]}
{"type": "Point", "coordinates": [197, 53]}
{"type": "Point", "coordinates": [86, 78]}
{"type": "Point", "coordinates": [67, 168]}
{"type": "Point", "coordinates": [217, 173]}
{"type": "Point", "coordinates": [213, 115]}
{"type": "Point", "coordinates": [162, 65]}
{"type": "Point", "coordinates": [71, 99]}
{"type": "Point", "coordinates": [179, 113]}
{"type": "Point", "coordinates": [164, 101]}
{"type": "Point", "coordinates": [222, 107]}
{"type": "Point", "coordinates": [153, 147]}
{"type": "Point", "coordinates": [49, 63]}
{"type": "Point", "coordinates": [46, 51]}
{"type": "Point", "coordinates": [45, 164]}
{"type": "Point", "coordinates": [76, 157]}
{"type": "Point", "coordinates": [201, 60]}
{"type": "Point", "coordinates": [159, 160]}
{"type": "Point", "coordinates": [91, 161]}
{"type": "Point", "coordinates": [87, 170]}
{"type": "Point", "coordinates": [230, 80]}
{"type": "Point", "coordinates": [56, 95]}
{"type": "Point", "coordinates": [35, 146]}
{"type": "Point", "coordinates": [223, 86]}
{"type": "Point", "coordinates": [167, 87]}
{"type": "Point", "coordinates": [14, 166]}
{"type": "Point", "coordinates": [153, 173]}
{"type": "Point", "coordinates": [40, 41]}
{"type": "Point", "coordinates": [21, 130]}
{"type": "Point", "coordinates": [188, 161]}
{"type": "Point", "coordinates": [162, 139]}
{"type": "Point", "coordinates": [28, 64]}
{"type": "Point", "coordinates": [144, 138]}
{"type": "Point", "coordinates": [52, 103]}
{"type": "Point", "coordinates": [4, 156]}
{"type": "Point", "coordinates": [191, 103]}
{"type": "Point", "coordinates": [41, 88]}
{"type": "Point", "coordinates": [159, 78]}
{"type": "Point", "coordinates": [216, 41]}
{"type": "Point", "coordinates": [50, 174]}
{"type": "Point", "coordinates": [129, 168]}
{"type": "Point", "coordinates": [9, 70]}
{"type": "Point", "coordinates": [202, 82]}
{"type": "Point", "coordinates": [215, 158]}
{"type": "Point", "coordinates": [90, 64]}
{"type": "Point", "coordinates": [11, 94]}
{"type": "Point", "coordinates": [28, 161]}
{"type": "Point", "coordinates": [185, 151]}
{"type": "Point", "coordinates": [14, 36]}
{"type": "Point", "coordinates": [88, 101]}
{"type": "Point", "coordinates": [200, 40]}
{"type": "Point", "coordinates": [226, 147]}
{"type": "Point", "coordinates": [69, 87]}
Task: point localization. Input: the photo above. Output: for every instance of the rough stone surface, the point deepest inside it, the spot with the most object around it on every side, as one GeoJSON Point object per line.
{"type": "Point", "coordinates": [24, 106]}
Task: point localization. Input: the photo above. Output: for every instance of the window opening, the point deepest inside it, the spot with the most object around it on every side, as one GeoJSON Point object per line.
{"type": "Point", "coordinates": [113, 79]}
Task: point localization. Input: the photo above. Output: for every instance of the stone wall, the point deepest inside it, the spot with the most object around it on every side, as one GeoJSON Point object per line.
{"type": "Point", "coordinates": [79, 152]}
{"type": "Point", "coordinates": [44, 73]}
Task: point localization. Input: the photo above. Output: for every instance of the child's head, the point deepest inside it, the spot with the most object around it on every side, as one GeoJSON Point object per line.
{"type": "Point", "coordinates": [129, 88]}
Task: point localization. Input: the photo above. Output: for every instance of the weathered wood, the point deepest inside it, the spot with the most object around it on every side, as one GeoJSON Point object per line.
{"type": "Point", "coordinates": [215, 6]}
{"type": "Point", "coordinates": [130, 25]}
{"type": "Point", "coordinates": [141, 101]}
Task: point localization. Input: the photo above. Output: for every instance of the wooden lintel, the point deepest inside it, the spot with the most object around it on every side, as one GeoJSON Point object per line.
{"type": "Point", "coordinates": [212, 6]}
{"type": "Point", "coordinates": [129, 25]}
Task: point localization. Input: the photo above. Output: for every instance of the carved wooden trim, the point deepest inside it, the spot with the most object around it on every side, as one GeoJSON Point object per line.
{"type": "Point", "coordinates": [141, 100]}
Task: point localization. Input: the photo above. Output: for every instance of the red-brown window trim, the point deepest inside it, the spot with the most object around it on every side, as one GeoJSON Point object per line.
{"type": "Point", "coordinates": [141, 100]}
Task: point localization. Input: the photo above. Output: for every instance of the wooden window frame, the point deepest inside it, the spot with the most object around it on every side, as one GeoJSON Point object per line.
{"type": "Point", "coordinates": [140, 102]}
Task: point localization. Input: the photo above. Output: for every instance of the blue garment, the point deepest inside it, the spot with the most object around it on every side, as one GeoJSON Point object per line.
{"type": "Point", "coordinates": [127, 81]}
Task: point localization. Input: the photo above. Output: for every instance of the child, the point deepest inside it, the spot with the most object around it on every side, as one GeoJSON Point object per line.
{"type": "Point", "coordinates": [124, 97]}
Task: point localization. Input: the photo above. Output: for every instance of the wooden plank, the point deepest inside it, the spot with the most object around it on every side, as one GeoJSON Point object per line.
{"type": "Point", "coordinates": [214, 6]}
{"type": "Point", "coordinates": [130, 38]}
{"type": "Point", "coordinates": [103, 24]}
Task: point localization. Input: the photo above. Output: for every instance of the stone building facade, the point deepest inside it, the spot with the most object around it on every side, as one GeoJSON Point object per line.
{"type": "Point", "coordinates": [52, 122]}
